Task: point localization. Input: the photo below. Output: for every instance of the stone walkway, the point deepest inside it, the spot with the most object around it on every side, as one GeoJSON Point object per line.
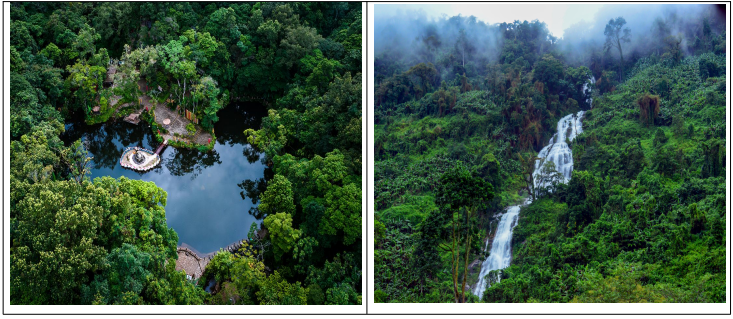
{"type": "Point", "coordinates": [194, 263]}
{"type": "Point", "coordinates": [178, 125]}
{"type": "Point", "coordinates": [191, 263]}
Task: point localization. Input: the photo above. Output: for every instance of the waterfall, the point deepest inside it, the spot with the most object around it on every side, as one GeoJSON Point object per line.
{"type": "Point", "coordinates": [557, 152]}
{"type": "Point", "coordinates": [501, 250]}
{"type": "Point", "coordinates": [586, 90]}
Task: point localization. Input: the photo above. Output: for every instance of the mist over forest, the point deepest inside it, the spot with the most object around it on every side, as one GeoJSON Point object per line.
{"type": "Point", "coordinates": [415, 37]}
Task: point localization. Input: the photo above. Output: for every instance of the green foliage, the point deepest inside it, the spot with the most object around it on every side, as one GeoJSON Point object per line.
{"type": "Point", "coordinates": [277, 291]}
{"type": "Point", "coordinates": [284, 236]}
{"type": "Point", "coordinates": [77, 158]}
{"type": "Point", "coordinates": [126, 271]}
{"type": "Point", "coordinates": [34, 157]}
{"type": "Point", "coordinates": [460, 194]}
{"type": "Point", "coordinates": [660, 138]}
{"type": "Point", "coordinates": [614, 38]}
{"type": "Point", "coordinates": [648, 108]}
{"type": "Point", "coordinates": [170, 287]}
{"type": "Point", "coordinates": [549, 71]}
{"type": "Point", "coordinates": [84, 82]}
{"type": "Point", "coordinates": [707, 69]}
{"type": "Point", "coordinates": [305, 59]}
{"type": "Point", "coordinates": [341, 276]}
{"type": "Point", "coordinates": [343, 213]}
{"type": "Point", "coordinates": [627, 231]}
{"type": "Point", "coordinates": [60, 245]}
{"type": "Point", "coordinates": [278, 198]}
{"type": "Point", "coordinates": [678, 126]}
{"type": "Point", "coordinates": [190, 128]}
{"type": "Point", "coordinates": [415, 209]}
{"type": "Point", "coordinates": [625, 284]}
{"type": "Point", "coordinates": [30, 105]}
{"type": "Point", "coordinates": [329, 191]}
{"type": "Point", "coordinates": [645, 203]}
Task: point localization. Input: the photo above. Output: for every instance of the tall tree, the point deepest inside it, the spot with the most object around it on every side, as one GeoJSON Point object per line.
{"type": "Point", "coordinates": [463, 46]}
{"type": "Point", "coordinates": [527, 165]}
{"type": "Point", "coordinates": [460, 196]}
{"type": "Point", "coordinates": [176, 62]}
{"type": "Point", "coordinates": [77, 159]}
{"type": "Point", "coordinates": [615, 36]}
{"type": "Point", "coordinates": [84, 82]}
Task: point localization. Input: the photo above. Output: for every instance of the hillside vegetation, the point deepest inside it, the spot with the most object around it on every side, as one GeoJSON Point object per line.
{"type": "Point", "coordinates": [643, 217]}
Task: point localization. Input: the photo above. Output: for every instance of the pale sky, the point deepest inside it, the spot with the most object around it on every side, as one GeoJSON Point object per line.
{"type": "Point", "coordinates": [557, 16]}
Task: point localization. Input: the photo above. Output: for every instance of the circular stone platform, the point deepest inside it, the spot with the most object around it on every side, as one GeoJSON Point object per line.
{"type": "Point", "coordinates": [139, 159]}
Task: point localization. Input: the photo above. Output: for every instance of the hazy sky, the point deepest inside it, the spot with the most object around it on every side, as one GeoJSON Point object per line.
{"type": "Point", "coordinates": [557, 16]}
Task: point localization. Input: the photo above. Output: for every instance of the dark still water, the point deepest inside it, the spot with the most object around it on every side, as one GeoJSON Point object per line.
{"type": "Point", "coordinates": [207, 204]}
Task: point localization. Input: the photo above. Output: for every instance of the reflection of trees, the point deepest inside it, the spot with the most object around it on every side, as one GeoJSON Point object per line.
{"type": "Point", "coordinates": [106, 153]}
{"type": "Point", "coordinates": [253, 188]}
{"type": "Point", "coordinates": [107, 141]}
{"type": "Point", "coordinates": [99, 140]}
{"type": "Point", "coordinates": [251, 153]}
{"type": "Point", "coordinates": [237, 117]}
{"type": "Point", "coordinates": [191, 162]}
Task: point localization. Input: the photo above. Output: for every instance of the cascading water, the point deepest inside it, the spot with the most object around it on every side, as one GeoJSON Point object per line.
{"type": "Point", "coordinates": [501, 250]}
{"type": "Point", "coordinates": [557, 152]}
{"type": "Point", "coordinates": [586, 90]}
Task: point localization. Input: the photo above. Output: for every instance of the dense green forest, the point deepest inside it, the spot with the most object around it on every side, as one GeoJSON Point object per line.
{"type": "Point", "coordinates": [462, 109]}
{"type": "Point", "coordinates": [75, 240]}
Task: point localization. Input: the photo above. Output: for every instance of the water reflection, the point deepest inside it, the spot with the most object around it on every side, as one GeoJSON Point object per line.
{"type": "Point", "coordinates": [206, 205]}
{"type": "Point", "coordinates": [191, 162]}
{"type": "Point", "coordinates": [253, 188]}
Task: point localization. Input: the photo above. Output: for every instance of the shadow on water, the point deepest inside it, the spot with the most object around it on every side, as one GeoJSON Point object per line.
{"type": "Point", "coordinates": [206, 205]}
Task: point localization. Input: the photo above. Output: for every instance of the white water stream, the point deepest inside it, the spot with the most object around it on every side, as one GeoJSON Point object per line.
{"type": "Point", "coordinates": [587, 89]}
{"type": "Point", "coordinates": [557, 152]}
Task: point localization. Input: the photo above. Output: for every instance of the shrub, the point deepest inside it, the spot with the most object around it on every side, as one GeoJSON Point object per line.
{"type": "Point", "coordinates": [190, 128]}
{"type": "Point", "coordinates": [648, 108]}
{"type": "Point", "coordinates": [660, 138]}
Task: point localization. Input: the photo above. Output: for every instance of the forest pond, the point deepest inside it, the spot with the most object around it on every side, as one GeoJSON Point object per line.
{"type": "Point", "coordinates": [207, 204]}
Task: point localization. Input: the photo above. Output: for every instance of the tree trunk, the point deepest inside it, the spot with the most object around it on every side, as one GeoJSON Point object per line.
{"type": "Point", "coordinates": [465, 266]}
{"type": "Point", "coordinates": [455, 265]}
{"type": "Point", "coordinates": [178, 96]}
{"type": "Point", "coordinates": [621, 54]}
